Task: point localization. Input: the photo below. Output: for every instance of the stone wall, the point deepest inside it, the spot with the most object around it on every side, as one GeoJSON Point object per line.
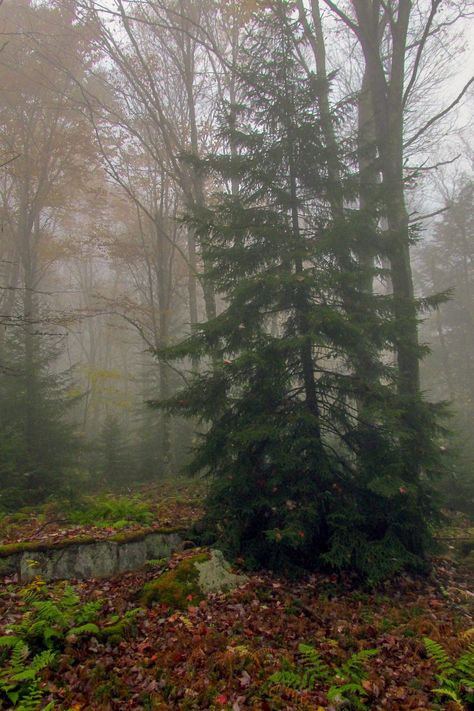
{"type": "Point", "coordinates": [94, 559]}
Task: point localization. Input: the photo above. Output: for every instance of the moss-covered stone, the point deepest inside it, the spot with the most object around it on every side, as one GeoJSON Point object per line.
{"type": "Point", "coordinates": [85, 556]}
{"type": "Point", "coordinates": [8, 549]}
{"type": "Point", "coordinates": [142, 533]}
{"type": "Point", "coordinates": [177, 588]}
{"type": "Point", "coordinates": [215, 574]}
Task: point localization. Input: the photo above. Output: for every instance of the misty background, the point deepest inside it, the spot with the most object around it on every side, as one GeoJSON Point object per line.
{"type": "Point", "coordinates": [103, 106]}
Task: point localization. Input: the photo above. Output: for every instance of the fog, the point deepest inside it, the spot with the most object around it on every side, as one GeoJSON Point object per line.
{"type": "Point", "coordinates": [108, 112]}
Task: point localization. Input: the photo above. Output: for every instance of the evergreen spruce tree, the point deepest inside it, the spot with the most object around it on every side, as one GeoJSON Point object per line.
{"type": "Point", "coordinates": [38, 446]}
{"type": "Point", "coordinates": [115, 461]}
{"type": "Point", "coordinates": [302, 473]}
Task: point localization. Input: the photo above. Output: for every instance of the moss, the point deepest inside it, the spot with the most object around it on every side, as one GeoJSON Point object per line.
{"type": "Point", "coordinates": [8, 549]}
{"type": "Point", "coordinates": [176, 588]}
{"type": "Point", "coordinates": [117, 632]}
{"type": "Point", "coordinates": [141, 534]}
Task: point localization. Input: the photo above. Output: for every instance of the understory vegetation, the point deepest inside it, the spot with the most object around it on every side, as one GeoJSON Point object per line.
{"type": "Point", "coordinates": [152, 640]}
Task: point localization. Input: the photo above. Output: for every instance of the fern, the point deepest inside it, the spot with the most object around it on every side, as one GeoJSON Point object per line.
{"type": "Point", "coordinates": [345, 681]}
{"type": "Point", "coordinates": [436, 652]}
{"type": "Point", "coordinates": [288, 678]}
{"type": "Point", "coordinates": [9, 641]}
{"type": "Point", "coordinates": [19, 680]}
{"type": "Point", "coordinates": [88, 628]}
{"type": "Point", "coordinates": [314, 669]}
{"type": "Point", "coordinates": [89, 611]}
{"type": "Point", "coordinates": [32, 701]}
{"type": "Point", "coordinates": [51, 616]}
{"type": "Point", "coordinates": [347, 693]}
{"type": "Point", "coordinates": [353, 668]}
{"type": "Point", "coordinates": [455, 677]}
{"type": "Point", "coordinates": [313, 663]}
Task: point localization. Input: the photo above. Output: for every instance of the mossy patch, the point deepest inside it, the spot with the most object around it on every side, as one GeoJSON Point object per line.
{"type": "Point", "coordinates": [176, 588]}
{"type": "Point", "coordinates": [8, 549]}
{"type": "Point", "coordinates": [141, 534]}
{"type": "Point", "coordinates": [119, 628]}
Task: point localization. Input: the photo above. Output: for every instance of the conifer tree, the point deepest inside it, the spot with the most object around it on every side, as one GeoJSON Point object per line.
{"type": "Point", "coordinates": [301, 474]}
{"type": "Point", "coordinates": [114, 454]}
{"type": "Point", "coordinates": [38, 446]}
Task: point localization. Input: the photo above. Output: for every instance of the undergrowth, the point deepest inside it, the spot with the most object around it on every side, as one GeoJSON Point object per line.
{"type": "Point", "coordinates": [52, 617]}
{"type": "Point", "coordinates": [345, 682]}
{"type": "Point", "coordinates": [455, 676]}
{"type": "Point", "coordinates": [114, 511]}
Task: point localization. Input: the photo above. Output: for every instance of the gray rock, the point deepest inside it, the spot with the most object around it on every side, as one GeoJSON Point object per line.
{"type": "Point", "coordinates": [215, 574]}
{"type": "Point", "coordinates": [91, 560]}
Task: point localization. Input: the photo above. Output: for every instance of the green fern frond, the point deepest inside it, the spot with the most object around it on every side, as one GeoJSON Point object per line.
{"type": "Point", "coordinates": [19, 653]}
{"type": "Point", "coordinates": [450, 694]}
{"type": "Point", "coordinates": [353, 668]}
{"type": "Point", "coordinates": [87, 628]}
{"type": "Point", "coordinates": [456, 677]}
{"type": "Point", "coordinates": [9, 641]}
{"type": "Point", "coordinates": [438, 654]}
{"type": "Point", "coordinates": [465, 667]}
{"type": "Point", "coordinates": [42, 660]}
{"type": "Point", "coordinates": [89, 611]}
{"type": "Point", "coordinates": [32, 700]}
{"type": "Point", "coordinates": [313, 663]}
{"type": "Point", "coordinates": [25, 675]}
{"type": "Point", "coordinates": [290, 679]}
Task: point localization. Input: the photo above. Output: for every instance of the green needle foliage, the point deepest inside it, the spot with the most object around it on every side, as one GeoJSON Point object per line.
{"type": "Point", "coordinates": [303, 427]}
{"type": "Point", "coordinates": [38, 446]}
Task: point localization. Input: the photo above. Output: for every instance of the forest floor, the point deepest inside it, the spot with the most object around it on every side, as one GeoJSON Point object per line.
{"type": "Point", "coordinates": [221, 653]}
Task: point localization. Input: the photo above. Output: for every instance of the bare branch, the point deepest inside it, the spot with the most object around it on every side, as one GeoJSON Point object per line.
{"type": "Point", "coordinates": [426, 32]}
{"type": "Point", "coordinates": [441, 114]}
{"type": "Point", "coordinates": [7, 162]}
{"type": "Point", "coordinates": [345, 18]}
{"type": "Point", "coordinates": [427, 215]}
{"type": "Point", "coordinates": [417, 168]}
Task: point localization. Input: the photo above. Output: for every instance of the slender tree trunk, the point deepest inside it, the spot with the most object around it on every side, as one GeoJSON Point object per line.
{"type": "Point", "coordinates": [163, 277]}
{"type": "Point", "coordinates": [368, 175]}
{"type": "Point", "coordinates": [196, 179]}
{"type": "Point", "coordinates": [387, 105]}
{"type": "Point", "coordinates": [7, 303]}
{"type": "Point", "coordinates": [30, 346]}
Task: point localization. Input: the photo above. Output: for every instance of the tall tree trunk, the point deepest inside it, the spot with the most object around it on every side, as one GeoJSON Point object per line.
{"type": "Point", "coordinates": [163, 278]}
{"type": "Point", "coordinates": [30, 346]}
{"type": "Point", "coordinates": [197, 191]}
{"type": "Point", "coordinates": [387, 105]}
